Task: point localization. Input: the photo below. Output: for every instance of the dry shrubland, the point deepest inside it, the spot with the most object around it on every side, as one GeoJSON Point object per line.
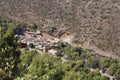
{"type": "Point", "coordinates": [94, 21]}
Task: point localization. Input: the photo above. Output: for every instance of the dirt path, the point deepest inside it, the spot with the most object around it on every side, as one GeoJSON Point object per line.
{"type": "Point", "coordinates": [69, 39]}
{"type": "Point", "coordinates": [106, 74]}
{"type": "Point", "coordinates": [98, 51]}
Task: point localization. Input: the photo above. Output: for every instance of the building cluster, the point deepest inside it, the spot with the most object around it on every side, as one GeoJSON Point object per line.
{"type": "Point", "coordinates": [37, 40]}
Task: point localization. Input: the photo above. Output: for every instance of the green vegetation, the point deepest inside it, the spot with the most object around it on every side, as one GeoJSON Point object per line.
{"type": "Point", "coordinates": [30, 65]}
{"type": "Point", "coordinates": [31, 45]}
{"type": "Point", "coordinates": [101, 78]}
{"type": "Point", "coordinates": [35, 66]}
{"type": "Point", "coordinates": [93, 62]}
{"type": "Point", "coordinates": [113, 68]}
{"type": "Point", "coordinates": [78, 67]}
{"type": "Point", "coordinates": [9, 51]}
{"type": "Point", "coordinates": [117, 74]}
{"type": "Point", "coordinates": [33, 26]}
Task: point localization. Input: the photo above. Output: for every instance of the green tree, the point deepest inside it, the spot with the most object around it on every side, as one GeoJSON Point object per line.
{"type": "Point", "coordinates": [54, 74]}
{"type": "Point", "coordinates": [117, 74]}
{"type": "Point", "coordinates": [59, 53]}
{"type": "Point", "coordinates": [101, 78]}
{"type": "Point", "coordinates": [83, 76]}
{"type": "Point", "coordinates": [92, 62]}
{"type": "Point", "coordinates": [26, 59]}
{"type": "Point", "coordinates": [79, 66]}
{"type": "Point", "coordinates": [84, 56]}
{"type": "Point", "coordinates": [79, 50]}
{"type": "Point", "coordinates": [72, 76]}
{"type": "Point", "coordinates": [9, 52]}
{"type": "Point", "coordinates": [104, 78]}
{"type": "Point", "coordinates": [32, 45]}
{"type": "Point", "coordinates": [106, 62]}
{"type": "Point", "coordinates": [35, 66]}
{"type": "Point", "coordinates": [113, 68]}
{"type": "Point", "coordinates": [93, 74]}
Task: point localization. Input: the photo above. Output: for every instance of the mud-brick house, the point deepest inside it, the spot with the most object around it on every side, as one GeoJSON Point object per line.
{"type": "Point", "coordinates": [23, 45]}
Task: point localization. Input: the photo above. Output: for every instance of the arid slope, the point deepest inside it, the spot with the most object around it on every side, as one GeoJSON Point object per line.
{"type": "Point", "coordinates": [95, 22]}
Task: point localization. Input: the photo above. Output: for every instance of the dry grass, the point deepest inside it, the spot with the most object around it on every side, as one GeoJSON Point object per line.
{"type": "Point", "coordinates": [94, 21]}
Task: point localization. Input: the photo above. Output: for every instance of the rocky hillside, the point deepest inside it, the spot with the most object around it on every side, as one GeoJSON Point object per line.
{"type": "Point", "coordinates": [95, 22]}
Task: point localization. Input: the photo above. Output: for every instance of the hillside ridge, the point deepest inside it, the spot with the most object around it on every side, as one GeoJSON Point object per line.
{"type": "Point", "coordinates": [96, 22]}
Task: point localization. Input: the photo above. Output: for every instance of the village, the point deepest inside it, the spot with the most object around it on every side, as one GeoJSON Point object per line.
{"type": "Point", "coordinates": [44, 43]}
{"type": "Point", "coordinates": [41, 42]}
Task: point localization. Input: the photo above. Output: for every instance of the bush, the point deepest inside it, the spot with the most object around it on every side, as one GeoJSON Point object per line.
{"type": "Point", "coordinates": [106, 62]}
{"type": "Point", "coordinates": [32, 45]}
{"type": "Point", "coordinates": [112, 69]}
{"type": "Point", "coordinates": [92, 62]}
{"type": "Point", "coordinates": [117, 74]}
{"type": "Point", "coordinates": [101, 78]}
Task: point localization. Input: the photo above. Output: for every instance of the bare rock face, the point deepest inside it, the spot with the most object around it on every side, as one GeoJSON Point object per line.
{"type": "Point", "coordinates": [95, 22]}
